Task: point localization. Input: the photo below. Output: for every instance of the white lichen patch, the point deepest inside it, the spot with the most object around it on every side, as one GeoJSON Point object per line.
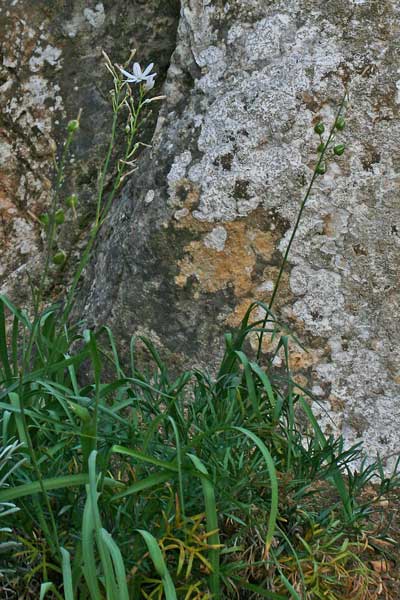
{"type": "Point", "coordinates": [50, 55]}
{"type": "Point", "coordinates": [24, 236]}
{"type": "Point", "coordinates": [95, 17]}
{"type": "Point", "coordinates": [321, 299]}
{"type": "Point", "coordinates": [266, 286]}
{"type": "Point", "coordinates": [216, 238]}
{"type": "Point", "coordinates": [149, 197]}
{"type": "Point", "coordinates": [6, 152]}
{"type": "Point", "coordinates": [176, 174]}
{"type": "Point", "coordinates": [398, 91]}
{"type": "Point", "coordinates": [30, 108]}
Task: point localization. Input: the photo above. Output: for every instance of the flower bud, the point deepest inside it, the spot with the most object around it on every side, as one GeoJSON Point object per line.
{"type": "Point", "coordinates": [73, 126]}
{"type": "Point", "coordinates": [340, 123]}
{"type": "Point", "coordinates": [44, 219]}
{"type": "Point", "coordinates": [339, 149]}
{"type": "Point", "coordinates": [53, 146]}
{"type": "Point", "coordinates": [46, 183]}
{"type": "Point", "coordinates": [319, 128]}
{"type": "Point", "coordinates": [321, 169]}
{"type": "Point", "coordinates": [59, 258]}
{"type": "Point", "coordinates": [127, 129]}
{"type": "Point", "coordinates": [59, 217]}
{"type": "Point", "coordinates": [321, 147]}
{"type": "Point", "coordinates": [71, 201]}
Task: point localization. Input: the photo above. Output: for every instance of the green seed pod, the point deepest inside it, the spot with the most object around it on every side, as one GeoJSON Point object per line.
{"type": "Point", "coordinates": [340, 123]}
{"type": "Point", "coordinates": [321, 147]}
{"type": "Point", "coordinates": [73, 126]}
{"type": "Point", "coordinates": [71, 201]}
{"type": "Point", "coordinates": [339, 149]}
{"type": "Point", "coordinates": [319, 128]}
{"type": "Point", "coordinates": [321, 169]}
{"type": "Point", "coordinates": [59, 216]}
{"type": "Point", "coordinates": [44, 219]}
{"type": "Point", "coordinates": [59, 258]}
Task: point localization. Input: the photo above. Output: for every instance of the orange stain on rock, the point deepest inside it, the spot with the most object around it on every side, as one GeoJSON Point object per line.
{"type": "Point", "coordinates": [247, 240]}
{"type": "Point", "coordinates": [231, 267]}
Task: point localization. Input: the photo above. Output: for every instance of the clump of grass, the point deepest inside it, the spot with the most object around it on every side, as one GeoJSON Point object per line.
{"type": "Point", "coordinates": [140, 484]}
{"type": "Point", "coordinates": [215, 476]}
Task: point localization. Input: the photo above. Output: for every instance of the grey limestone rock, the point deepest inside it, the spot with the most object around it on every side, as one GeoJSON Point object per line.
{"type": "Point", "coordinates": [199, 232]}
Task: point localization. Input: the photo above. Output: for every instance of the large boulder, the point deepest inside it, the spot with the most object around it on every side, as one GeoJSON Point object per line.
{"type": "Point", "coordinates": [200, 230]}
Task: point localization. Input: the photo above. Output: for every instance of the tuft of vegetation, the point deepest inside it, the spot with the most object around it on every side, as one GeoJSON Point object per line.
{"type": "Point", "coordinates": [138, 484]}
{"type": "Point", "coordinates": [132, 482]}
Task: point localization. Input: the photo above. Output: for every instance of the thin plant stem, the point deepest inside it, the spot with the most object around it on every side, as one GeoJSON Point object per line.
{"type": "Point", "coordinates": [297, 223]}
{"type": "Point", "coordinates": [106, 164]}
{"type": "Point", "coordinates": [102, 212]}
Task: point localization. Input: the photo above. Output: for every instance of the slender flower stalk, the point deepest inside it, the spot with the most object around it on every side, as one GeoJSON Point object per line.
{"type": "Point", "coordinates": [319, 169]}
{"type": "Point", "coordinates": [122, 98]}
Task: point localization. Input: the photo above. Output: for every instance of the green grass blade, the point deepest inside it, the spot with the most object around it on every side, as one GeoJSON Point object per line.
{"type": "Point", "coordinates": [47, 370]}
{"type": "Point", "coordinates": [21, 316]}
{"type": "Point", "coordinates": [5, 418]}
{"type": "Point", "coordinates": [289, 587]}
{"type": "Point", "coordinates": [109, 577]}
{"type": "Point", "coordinates": [54, 483]}
{"type": "Point", "coordinates": [46, 587]}
{"type": "Point", "coordinates": [257, 589]}
{"type": "Point", "coordinates": [15, 346]}
{"type": "Point", "coordinates": [6, 371]}
{"type": "Point", "coordinates": [266, 383]}
{"type": "Point", "coordinates": [73, 377]}
{"type": "Point", "coordinates": [118, 563]}
{"type": "Point", "coordinates": [88, 545]}
{"type": "Point", "coordinates": [67, 575]}
{"type": "Point", "coordinates": [119, 371]}
{"type": "Point", "coordinates": [143, 484]}
{"type": "Point", "coordinates": [15, 403]}
{"type": "Point", "coordinates": [153, 352]}
{"type": "Point", "coordinates": [212, 523]}
{"type": "Point", "coordinates": [274, 484]}
{"type": "Point", "coordinates": [132, 352]}
{"type": "Point", "coordinates": [159, 564]}
{"type": "Point", "coordinates": [251, 390]}
{"type": "Point", "coordinates": [293, 594]}
{"type": "Point", "coordinates": [91, 440]}
{"type": "Point", "coordinates": [141, 457]}
{"type": "Point", "coordinates": [337, 475]}
{"type": "Point", "coordinates": [179, 463]}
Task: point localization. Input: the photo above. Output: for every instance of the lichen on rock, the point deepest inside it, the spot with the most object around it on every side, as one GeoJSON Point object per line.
{"type": "Point", "coordinates": [202, 231]}
{"type": "Point", "coordinates": [232, 156]}
{"type": "Point", "coordinates": [51, 66]}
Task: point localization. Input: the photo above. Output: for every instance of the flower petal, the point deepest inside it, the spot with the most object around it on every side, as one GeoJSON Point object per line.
{"type": "Point", "coordinates": [137, 71]}
{"type": "Point", "coordinates": [149, 82]}
{"type": "Point", "coordinates": [148, 69]}
{"type": "Point", "coordinates": [128, 75]}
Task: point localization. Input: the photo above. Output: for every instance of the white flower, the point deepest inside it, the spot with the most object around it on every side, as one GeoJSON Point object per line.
{"type": "Point", "coordinates": [139, 76]}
